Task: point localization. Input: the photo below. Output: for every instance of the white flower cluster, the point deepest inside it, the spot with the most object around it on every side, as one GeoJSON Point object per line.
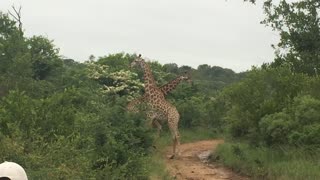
{"type": "Point", "coordinates": [122, 80]}
{"type": "Point", "coordinates": [96, 71]}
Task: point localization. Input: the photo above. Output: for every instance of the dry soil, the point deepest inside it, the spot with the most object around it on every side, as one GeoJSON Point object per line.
{"type": "Point", "coordinates": [192, 163]}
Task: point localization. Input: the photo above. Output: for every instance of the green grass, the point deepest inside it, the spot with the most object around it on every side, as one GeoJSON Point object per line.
{"type": "Point", "coordinates": [157, 167]}
{"type": "Point", "coordinates": [186, 136]}
{"type": "Point", "coordinates": [266, 163]}
{"type": "Point", "coordinates": [192, 135]}
{"type": "Point", "coordinates": [157, 160]}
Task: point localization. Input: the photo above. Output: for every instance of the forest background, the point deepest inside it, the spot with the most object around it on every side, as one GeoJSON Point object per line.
{"type": "Point", "coordinates": [60, 118]}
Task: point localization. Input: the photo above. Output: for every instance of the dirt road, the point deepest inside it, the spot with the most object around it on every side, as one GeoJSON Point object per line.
{"type": "Point", "coordinates": [192, 163]}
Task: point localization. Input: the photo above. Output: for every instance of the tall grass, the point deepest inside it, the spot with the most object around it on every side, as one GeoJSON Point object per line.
{"type": "Point", "coordinates": [270, 163]}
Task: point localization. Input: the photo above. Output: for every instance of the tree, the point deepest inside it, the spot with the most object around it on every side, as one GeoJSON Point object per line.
{"type": "Point", "coordinates": [183, 69]}
{"type": "Point", "coordinates": [298, 24]}
{"type": "Point", "coordinates": [117, 61]}
{"type": "Point", "coordinates": [171, 68]}
{"type": "Point", "coordinates": [17, 16]}
{"type": "Point", "coordinates": [44, 56]}
{"type": "Point", "coordinates": [12, 44]}
{"type": "Point", "coordinates": [120, 82]}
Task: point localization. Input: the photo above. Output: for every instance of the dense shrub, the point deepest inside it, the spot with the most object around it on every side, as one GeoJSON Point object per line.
{"type": "Point", "coordinates": [275, 128]}
{"type": "Point", "coordinates": [273, 106]}
{"type": "Point", "coordinates": [52, 138]}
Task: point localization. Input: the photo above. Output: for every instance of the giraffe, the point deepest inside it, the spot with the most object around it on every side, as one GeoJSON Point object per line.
{"type": "Point", "coordinates": [156, 101]}
{"type": "Point", "coordinates": [156, 116]}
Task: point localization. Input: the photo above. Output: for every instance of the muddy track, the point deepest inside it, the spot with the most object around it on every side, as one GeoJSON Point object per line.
{"type": "Point", "coordinates": [192, 163]}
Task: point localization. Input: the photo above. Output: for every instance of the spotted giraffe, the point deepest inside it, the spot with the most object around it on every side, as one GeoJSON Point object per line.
{"type": "Point", "coordinates": [156, 101]}
{"type": "Point", "coordinates": [157, 117]}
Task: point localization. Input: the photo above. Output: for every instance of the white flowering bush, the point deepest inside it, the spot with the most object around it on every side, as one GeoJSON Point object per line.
{"type": "Point", "coordinates": [96, 71]}
{"type": "Point", "coordinates": [121, 82]}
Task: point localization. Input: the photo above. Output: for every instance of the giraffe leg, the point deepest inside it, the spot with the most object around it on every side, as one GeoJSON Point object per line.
{"type": "Point", "coordinates": [176, 144]}
{"type": "Point", "coordinates": [151, 121]}
{"type": "Point", "coordinates": [159, 127]}
{"type": "Point", "coordinates": [177, 138]}
{"type": "Point", "coordinates": [155, 118]}
{"type": "Point", "coordinates": [173, 119]}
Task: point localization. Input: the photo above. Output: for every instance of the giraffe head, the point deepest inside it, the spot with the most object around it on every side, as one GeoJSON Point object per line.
{"type": "Point", "coordinates": [138, 61]}
{"type": "Point", "coordinates": [148, 77]}
{"type": "Point", "coordinates": [186, 77]}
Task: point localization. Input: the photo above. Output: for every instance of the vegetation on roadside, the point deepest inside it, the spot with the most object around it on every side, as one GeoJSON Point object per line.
{"type": "Point", "coordinates": [272, 116]}
{"type": "Point", "coordinates": [60, 118]}
{"type": "Point", "coordinates": [261, 162]}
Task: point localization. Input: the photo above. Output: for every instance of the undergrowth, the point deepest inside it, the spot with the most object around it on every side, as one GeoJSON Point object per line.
{"type": "Point", "coordinates": [281, 163]}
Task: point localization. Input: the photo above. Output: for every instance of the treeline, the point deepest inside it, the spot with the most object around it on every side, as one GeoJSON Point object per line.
{"type": "Point", "coordinates": [273, 114]}
{"type": "Point", "coordinates": [278, 103]}
{"type": "Point", "coordinates": [60, 118]}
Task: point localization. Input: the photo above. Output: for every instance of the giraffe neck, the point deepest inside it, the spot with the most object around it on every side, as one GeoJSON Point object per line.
{"type": "Point", "coordinates": [171, 85]}
{"type": "Point", "coordinates": [148, 77]}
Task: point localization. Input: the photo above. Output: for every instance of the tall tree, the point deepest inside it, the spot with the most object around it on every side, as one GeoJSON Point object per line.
{"type": "Point", "coordinates": [299, 28]}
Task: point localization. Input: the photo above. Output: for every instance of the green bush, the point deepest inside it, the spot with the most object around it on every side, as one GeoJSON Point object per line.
{"type": "Point", "coordinates": [275, 128]}
{"type": "Point", "coordinates": [260, 107]}
{"type": "Point", "coordinates": [306, 113]}
{"type": "Point", "coordinates": [306, 110]}
{"type": "Point", "coordinates": [306, 135]}
{"type": "Point", "coordinates": [53, 139]}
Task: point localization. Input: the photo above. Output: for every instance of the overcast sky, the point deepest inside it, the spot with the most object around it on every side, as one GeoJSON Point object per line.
{"type": "Point", "coordinates": [187, 32]}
